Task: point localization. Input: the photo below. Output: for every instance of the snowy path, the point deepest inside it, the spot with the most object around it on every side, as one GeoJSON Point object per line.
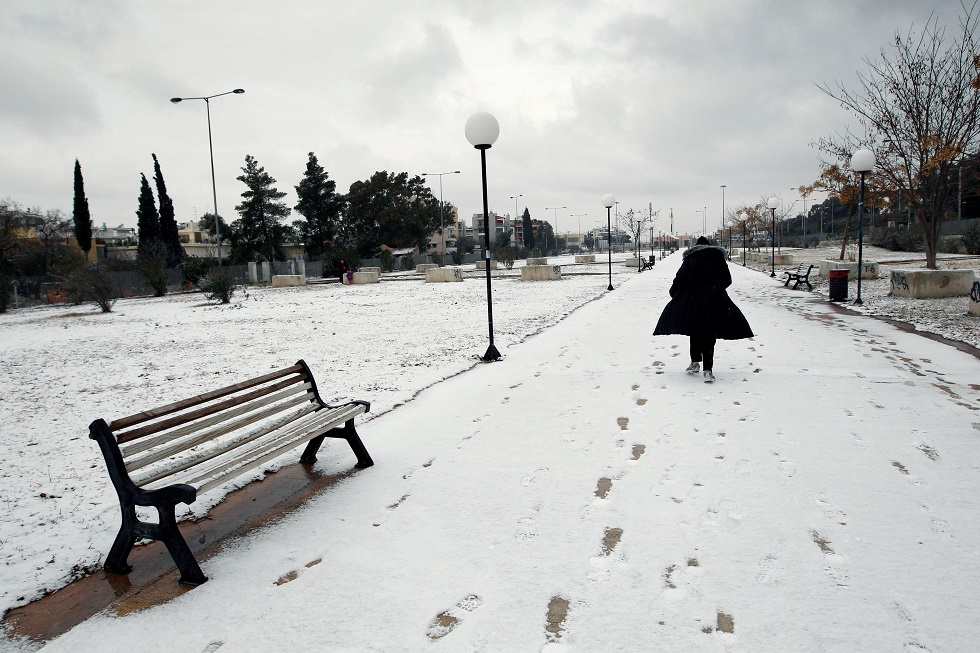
{"type": "Point", "coordinates": [586, 494]}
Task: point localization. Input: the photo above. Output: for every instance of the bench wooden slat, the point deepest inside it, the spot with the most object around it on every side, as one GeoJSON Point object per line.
{"type": "Point", "coordinates": [163, 425]}
{"type": "Point", "coordinates": [145, 479]}
{"type": "Point", "coordinates": [124, 422]}
{"type": "Point", "coordinates": [131, 449]}
{"type": "Point", "coordinates": [266, 452]}
{"type": "Point", "coordinates": [224, 428]}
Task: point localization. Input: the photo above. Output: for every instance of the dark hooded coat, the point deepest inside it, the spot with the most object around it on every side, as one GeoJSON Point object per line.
{"type": "Point", "coordinates": [699, 305]}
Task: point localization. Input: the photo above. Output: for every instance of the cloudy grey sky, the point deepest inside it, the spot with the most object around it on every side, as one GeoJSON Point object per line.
{"type": "Point", "coordinates": [655, 101]}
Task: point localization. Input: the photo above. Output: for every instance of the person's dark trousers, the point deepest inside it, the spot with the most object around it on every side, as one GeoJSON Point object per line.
{"type": "Point", "coordinates": [703, 351]}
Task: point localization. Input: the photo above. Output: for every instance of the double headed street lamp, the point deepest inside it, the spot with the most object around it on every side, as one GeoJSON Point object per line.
{"type": "Point", "coordinates": [607, 201]}
{"type": "Point", "coordinates": [515, 198]}
{"type": "Point", "coordinates": [442, 230]}
{"type": "Point", "coordinates": [214, 191]}
{"type": "Point", "coordinates": [773, 205]}
{"type": "Point", "coordinates": [743, 219]}
{"type": "Point", "coordinates": [482, 130]}
{"type": "Point", "coordinates": [555, 209]}
{"type": "Point", "coordinates": [862, 161]}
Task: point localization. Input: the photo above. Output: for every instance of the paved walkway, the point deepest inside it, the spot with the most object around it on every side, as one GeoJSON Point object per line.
{"type": "Point", "coordinates": [585, 492]}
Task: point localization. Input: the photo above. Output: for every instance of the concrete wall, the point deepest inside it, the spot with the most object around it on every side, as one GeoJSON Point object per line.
{"type": "Point", "coordinates": [436, 275]}
{"type": "Point", "coordinates": [363, 276]}
{"type": "Point", "coordinates": [871, 269]}
{"type": "Point", "coordinates": [481, 265]}
{"type": "Point", "coordinates": [541, 273]}
{"type": "Point", "coordinates": [585, 258]}
{"type": "Point", "coordinates": [537, 261]}
{"type": "Point", "coordinates": [921, 284]}
{"type": "Point", "coordinates": [422, 267]}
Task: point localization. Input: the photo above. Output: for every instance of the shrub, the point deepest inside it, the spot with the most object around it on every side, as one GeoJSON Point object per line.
{"type": "Point", "coordinates": [218, 284]}
{"type": "Point", "coordinates": [949, 245]}
{"type": "Point", "coordinates": [94, 283]}
{"type": "Point", "coordinates": [387, 261]}
{"type": "Point", "coordinates": [971, 239]}
{"type": "Point", "coordinates": [195, 269]}
{"type": "Point", "coordinates": [458, 257]}
{"type": "Point", "coordinates": [408, 262]}
{"type": "Point", "coordinates": [4, 294]}
{"type": "Point", "coordinates": [506, 256]}
{"type": "Point", "coordinates": [437, 258]}
{"type": "Point", "coordinates": [903, 240]}
{"type": "Point", "coordinates": [152, 266]}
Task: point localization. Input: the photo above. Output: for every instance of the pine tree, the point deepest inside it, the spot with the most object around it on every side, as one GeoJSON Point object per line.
{"type": "Point", "coordinates": [80, 213]}
{"type": "Point", "coordinates": [148, 221]}
{"type": "Point", "coordinates": [168, 223]}
{"type": "Point", "coordinates": [260, 211]}
{"type": "Point", "coordinates": [528, 230]}
{"type": "Point", "coordinates": [320, 205]}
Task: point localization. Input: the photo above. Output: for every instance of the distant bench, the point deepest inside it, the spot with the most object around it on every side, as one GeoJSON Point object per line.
{"type": "Point", "coordinates": [799, 276]}
{"type": "Point", "coordinates": [167, 455]}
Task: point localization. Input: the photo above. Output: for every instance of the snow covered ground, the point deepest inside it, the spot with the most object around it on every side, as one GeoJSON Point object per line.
{"type": "Point", "coordinates": [583, 494]}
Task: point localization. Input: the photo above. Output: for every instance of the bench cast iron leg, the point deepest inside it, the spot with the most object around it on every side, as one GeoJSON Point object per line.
{"type": "Point", "coordinates": [190, 571]}
{"type": "Point", "coordinates": [117, 560]}
{"type": "Point", "coordinates": [346, 433]}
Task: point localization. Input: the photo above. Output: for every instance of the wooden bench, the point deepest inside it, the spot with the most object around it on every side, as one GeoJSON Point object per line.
{"type": "Point", "coordinates": [799, 276]}
{"type": "Point", "coordinates": [168, 455]}
{"type": "Point", "coordinates": [649, 262]}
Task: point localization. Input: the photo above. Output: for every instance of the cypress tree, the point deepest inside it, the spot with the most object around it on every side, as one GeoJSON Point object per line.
{"type": "Point", "coordinates": [261, 210]}
{"type": "Point", "coordinates": [80, 212]}
{"type": "Point", "coordinates": [148, 220]}
{"type": "Point", "coordinates": [528, 230]}
{"type": "Point", "coordinates": [168, 224]}
{"type": "Point", "coordinates": [320, 205]}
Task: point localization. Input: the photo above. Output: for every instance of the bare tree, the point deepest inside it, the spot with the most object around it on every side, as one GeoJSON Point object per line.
{"type": "Point", "coordinates": [635, 221]}
{"type": "Point", "coordinates": [919, 107]}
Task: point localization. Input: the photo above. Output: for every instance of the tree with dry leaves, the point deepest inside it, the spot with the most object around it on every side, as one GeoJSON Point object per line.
{"type": "Point", "coordinates": [919, 106]}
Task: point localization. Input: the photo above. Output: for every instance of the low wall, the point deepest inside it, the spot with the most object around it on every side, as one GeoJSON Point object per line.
{"type": "Point", "coordinates": [424, 267]}
{"type": "Point", "coordinates": [921, 284]}
{"type": "Point", "coordinates": [541, 273]}
{"type": "Point", "coordinates": [871, 268]}
{"type": "Point", "coordinates": [482, 265]}
{"type": "Point", "coordinates": [974, 301]}
{"type": "Point", "coordinates": [437, 275]}
{"type": "Point", "coordinates": [363, 276]}
{"type": "Point", "coordinates": [283, 280]}
{"type": "Point", "coordinates": [585, 258]}
{"type": "Point", "coordinates": [537, 261]}
{"type": "Point", "coordinates": [370, 269]}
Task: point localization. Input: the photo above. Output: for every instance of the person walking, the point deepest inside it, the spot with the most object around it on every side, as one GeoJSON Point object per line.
{"type": "Point", "coordinates": [701, 308]}
{"type": "Point", "coordinates": [343, 272]}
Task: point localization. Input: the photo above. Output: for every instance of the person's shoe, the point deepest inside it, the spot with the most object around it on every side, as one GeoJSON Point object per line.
{"type": "Point", "coordinates": [693, 368]}
{"type": "Point", "coordinates": [709, 377]}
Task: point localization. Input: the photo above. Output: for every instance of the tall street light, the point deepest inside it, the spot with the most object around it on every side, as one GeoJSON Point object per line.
{"type": "Point", "coordinates": [723, 187]}
{"type": "Point", "coordinates": [482, 130]}
{"type": "Point", "coordinates": [862, 161]}
{"type": "Point", "coordinates": [607, 201]}
{"type": "Point", "coordinates": [743, 218]}
{"type": "Point", "coordinates": [555, 209]}
{"type": "Point", "coordinates": [704, 221]}
{"type": "Point", "coordinates": [442, 230]}
{"type": "Point", "coordinates": [773, 205]}
{"type": "Point", "coordinates": [214, 190]}
{"type": "Point", "coordinates": [579, 216]}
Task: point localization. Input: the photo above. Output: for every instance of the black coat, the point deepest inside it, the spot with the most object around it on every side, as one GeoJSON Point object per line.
{"type": "Point", "coordinates": [699, 305]}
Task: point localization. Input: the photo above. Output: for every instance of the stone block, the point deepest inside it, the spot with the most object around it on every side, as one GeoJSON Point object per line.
{"type": "Point", "coordinates": [370, 269]}
{"type": "Point", "coordinates": [362, 277]}
{"type": "Point", "coordinates": [974, 305]}
{"type": "Point", "coordinates": [436, 275]}
{"type": "Point", "coordinates": [482, 265]}
{"type": "Point", "coordinates": [784, 259]}
{"type": "Point", "coordinates": [871, 269]}
{"type": "Point", "coordinates": [921, 284]}
{"type": "Point", "coordinates": [423, 267]}
{"type": "Point", "coordinates": [284, 280]}
{"type": "Point", "coordinates": [541, 273]}
{"type": "Point", "coordinates": [585, 258]}
{"type": "Point", "coordinates": [537, 261]}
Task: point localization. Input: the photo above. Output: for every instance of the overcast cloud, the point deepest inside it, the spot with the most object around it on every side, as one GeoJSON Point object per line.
{"type": "Point", "coordinates": [655, 101]}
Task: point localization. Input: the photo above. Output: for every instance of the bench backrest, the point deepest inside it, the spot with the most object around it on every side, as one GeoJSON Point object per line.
{"type": "Point", "coordinates": [157, 446]}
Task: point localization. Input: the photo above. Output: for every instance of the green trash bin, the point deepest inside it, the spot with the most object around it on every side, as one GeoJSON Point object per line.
{"type": "Point", "coordinates": [838, 285]}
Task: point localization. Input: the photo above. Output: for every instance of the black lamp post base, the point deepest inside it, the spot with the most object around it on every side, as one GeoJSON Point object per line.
{"type": "Point", "coordinates": [858, 302]}
{"type": "Point", "coordinates": [491, 355]}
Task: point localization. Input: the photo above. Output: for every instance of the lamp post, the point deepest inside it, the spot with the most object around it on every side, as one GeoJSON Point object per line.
{"type": "Point", "coordinates": [704, 221]}
{"type": "Point", "coordinates": [723, 187]}
{"type": "Point", "coordinates": [515, 198]}
{"type": "Point", "coordinates": [862, 161]}
{"type": "Point", "coordinates": [214, 190]}
{"type": "Point", "coordinates": [555, 209]}
{"type": "Point", "coordinates": [482, 131]}
{"type": "Point", "coordinates": [579, 216]}
{"type": "Point", "coordinates": [744, 219]}
{"type": "Point", "coordinates": [442, 231]}
{"type": "Point", "coordinates": [773, 205]}
{"type": "Point", "coordinates": [607, 201]}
